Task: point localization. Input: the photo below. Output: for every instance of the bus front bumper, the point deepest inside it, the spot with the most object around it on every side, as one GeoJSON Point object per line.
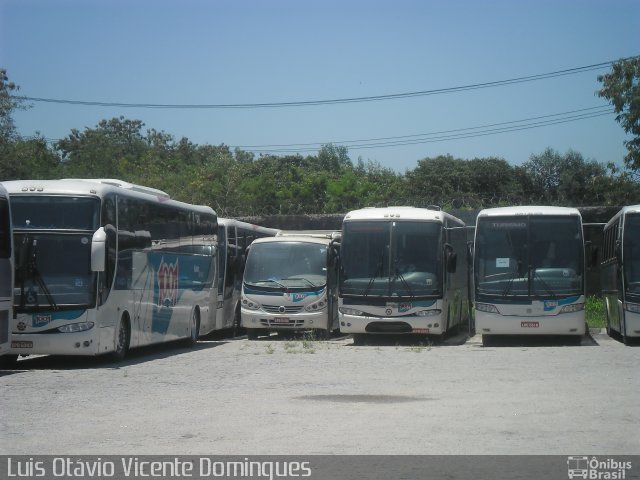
{"type": "Point", "coordinates": [285, 322]}
{"type": "Point", "coordinates": [412, 325]}
{"type": "Point", "coordinates": [561, 324]}
{"type": "Point", "coordinates": [77, 343]}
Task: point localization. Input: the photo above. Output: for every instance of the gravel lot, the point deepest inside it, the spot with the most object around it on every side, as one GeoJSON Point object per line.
{"type": "Point", "coordinates": [276, 396]}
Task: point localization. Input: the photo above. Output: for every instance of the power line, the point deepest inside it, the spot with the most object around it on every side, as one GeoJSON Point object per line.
{"type": "Point", "coordinates": [393, 96]}
{"type": "Point", "coordinates": [429, 137]}
{"type": "Point", "coordinates": [602, 108]}
{"type": "Point", "coordinates": [446, 137]}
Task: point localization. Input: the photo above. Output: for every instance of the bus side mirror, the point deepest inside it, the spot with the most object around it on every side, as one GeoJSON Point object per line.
{"type": "Point", "coordinates": [98, 250]}
{"type": "Point", "coordinates": [469, 253]}
{"type": "Point", "coordinates": [451, 258]}
{"type": "Point", "coordinates": [618, 252]}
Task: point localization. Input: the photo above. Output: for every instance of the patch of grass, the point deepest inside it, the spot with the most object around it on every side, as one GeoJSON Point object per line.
{"type": "Point", "coordinates": [269, 349]}
{"type": "Point", "coordinates": [594, 312]}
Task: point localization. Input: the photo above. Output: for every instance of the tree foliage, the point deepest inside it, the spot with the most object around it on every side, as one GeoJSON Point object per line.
{"type": "Point", "coordinates": [237, 183]}
{"type": "Point", "coordinates": [622, 88]}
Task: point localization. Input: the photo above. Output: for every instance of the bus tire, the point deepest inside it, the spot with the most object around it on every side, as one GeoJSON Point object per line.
{"type": "Point", "coordinates": [194, 331]}
{"type": "Point", "coordinates": [237, 322]}
{"type": "Point", "coordinates": [122, 340]}
{"type": "Point", "coordinates": [323, 333]}
{"type": "Point", "coordinates": [359, 339]}
{"type": "Point", "coordinates": [488, 340]}
{"type": "Point", "coordinates": [8, 362]}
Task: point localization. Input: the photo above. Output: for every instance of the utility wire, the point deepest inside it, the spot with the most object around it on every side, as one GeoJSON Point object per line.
{"type": "Point", "coordinates": [394, 96]}
{"type": "Point", "coordinates": [446, 137]}
{"type": "Point", "coordinates": [602, 108]}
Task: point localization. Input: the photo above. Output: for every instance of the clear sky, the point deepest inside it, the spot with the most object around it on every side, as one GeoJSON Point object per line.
{"type": "Point", "coordinates": [238, 52]}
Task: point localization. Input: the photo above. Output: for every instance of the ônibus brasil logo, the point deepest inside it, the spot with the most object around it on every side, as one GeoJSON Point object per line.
{"type": "Point", "coordinates": [596, 468]}
{"type": "Point", "coordinates": [168, 283]}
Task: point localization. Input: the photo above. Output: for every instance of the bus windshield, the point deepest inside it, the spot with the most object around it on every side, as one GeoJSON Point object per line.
{"type": "Point", "coordinates": [391, 259]}
{"type": "Point", "coordinates": [52, 240]}
{"type": "Point", "coordinates": [287, 265]}
{"type": "Point", "coordinates": [631, 253]}
{"type": "Point", "coordinates": [529, 256]}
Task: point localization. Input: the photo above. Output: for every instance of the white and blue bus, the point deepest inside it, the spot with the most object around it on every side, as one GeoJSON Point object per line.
{"type": "Point", "coordinates": [620, 274]}
{"type": "Point", "coordinates": [6, 272]}
{"type": "Point", "coordinates": [290, 285]}
{"type": "Point", "coordinates": [529, 272]}
{"type": "Point", "coordinates": [400, 274]}
{"type": "Point", "coordinates": [103, 266]}
{"type": "Point", "coordinates": [234, 237]}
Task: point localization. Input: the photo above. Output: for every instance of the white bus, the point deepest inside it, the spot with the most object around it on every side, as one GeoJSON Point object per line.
{"type": "Point", "coordinates": [400, 272]}
{"type": "Point", "coordinates": [6, 272]}
{"type": "Point", "coordinates": [529, 267]}
{"type": "Point", "coordinates": [290, 284]}
{"type": "Point", "coordinates": [620, 273]}
{"type": "Point", "coordinates": [103, 266]}
{"type": "Point", "coordinates": [234, 237]}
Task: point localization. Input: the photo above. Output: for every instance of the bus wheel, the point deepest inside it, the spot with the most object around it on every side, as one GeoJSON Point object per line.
{"type": "Point", "coordinates": [8, 362]}
{"type": "Point", "coordinates": [487, 340]}
{"type": "Point", "coordinates": [359, 339]}
{"type": "Point", "coordinates": [123, 337]}
{"type": "Point", "coordinates": [252, 333]}
{"type": "Point", "coordinates": [237, 322]}
{"type": "Point", "coordinates": [323, 334]}
{"type": "Point", "coordinates": [194, 333]}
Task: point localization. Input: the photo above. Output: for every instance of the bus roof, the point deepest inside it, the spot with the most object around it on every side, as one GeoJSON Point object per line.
{"type": "Point", "coordinates": [227, 222]}
{"type": "Point", "coordinates": [97, 187]}
{"type": "Point", "coordinates": [401, 213]}
{"type": "Point", "coordinates": [622, 212]}
{"type": "Point", "coordinates": [294, 238]}
{"type": "Point", "coordinates": [528, 210]}
{"type": "Point", "coordinates": [308, 233]}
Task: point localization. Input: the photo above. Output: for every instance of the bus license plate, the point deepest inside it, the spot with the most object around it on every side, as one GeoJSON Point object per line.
{"type": "Point", "coordinates": [281, 320]}
{"type": "Point", "coordinates": [530, 324]}
{"type": "Point", "coordinates": [22, 344]}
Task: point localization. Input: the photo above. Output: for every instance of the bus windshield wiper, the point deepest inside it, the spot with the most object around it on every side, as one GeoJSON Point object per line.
{"type": "Point", "coordinates": [378, 271]}
{"type": "Point", "coordinates": [302, 278]}
{"type": "Point", "coordinates": [544, 284]}
{"type": "Point", "coordinates": [515, 274]}
{"type": "Point", "coordinates": [268, 280]}
{"type": "Point", "coordinates": [404, 282]}
{"type": "Point", "coordinates": [27, 268]}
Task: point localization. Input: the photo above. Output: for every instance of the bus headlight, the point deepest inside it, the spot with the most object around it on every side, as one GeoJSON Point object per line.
{"type": "Point", "coordinates": [632, 307]}
{"type": "Point", "coordinates": [487, 308]}
{"type": "Point", "coordinates": [76, 327]}
{"type": "Point", "coordinates": [351, 311]}
{"type": "Point", "coordinates": [249, 304]}
{"type": "Point", "coordinates": [317, 306]}
{"type": "Point", "coordinates": [574, 307]}
{"type": "Point", "coordinates": [429, 313]}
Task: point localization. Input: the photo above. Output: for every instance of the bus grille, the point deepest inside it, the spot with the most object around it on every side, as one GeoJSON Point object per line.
{"type": "Point", "coordinates": [282, 309]}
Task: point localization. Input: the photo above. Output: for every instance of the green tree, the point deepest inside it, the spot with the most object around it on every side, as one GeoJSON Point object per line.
{"type": "Point", "coordinates": [622, 88]}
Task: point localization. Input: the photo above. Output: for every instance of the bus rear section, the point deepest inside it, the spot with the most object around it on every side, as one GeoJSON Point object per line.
{"type": "Point", "coordinates": [289, 286]}
{"type": "Point", "coordinates": [400, 272]}
{"type": "Point", "coordinates": [6, 272]}
{"type": "Point", "coordinates": [529, 272]}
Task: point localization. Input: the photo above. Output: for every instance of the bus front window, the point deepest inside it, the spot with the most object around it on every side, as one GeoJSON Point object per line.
{"type": "Point", "coordinates": [287, 265]}
{"type": "Point", "coordinates": [52, 239]}
{"type": "Point", "coordinates": [391, 259]}
{"type": "Point", "coordinates": [536, 256]}
{"type": "Point", "coordinates": [631, 253]}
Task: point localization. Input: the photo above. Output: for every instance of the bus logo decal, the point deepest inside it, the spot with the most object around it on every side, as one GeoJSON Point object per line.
{"type": "Point", "coordinates": [168, 283]}
{"type": "Point", "coordinates": [41, 320]}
